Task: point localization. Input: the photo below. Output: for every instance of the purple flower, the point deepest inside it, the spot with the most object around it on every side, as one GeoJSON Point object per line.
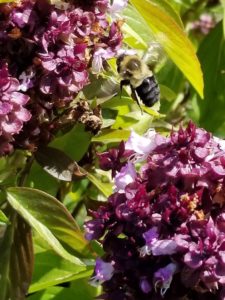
{"type": "Point", "coordinates": [13, 114]}
{"type": "Point", "coordinates": [113, 159]}
{"type": "Point", "coordinates": [163, 277]}
{"type": "Point", "coordinates": [163, 228]}
{"type": "Point", "coordinates": [99, 57]}
{"type": "Point", "coordinates": [49, 47]}
{"type": "Point", "coordinates": [141, 145]}
{"type": "Point", "coordinates": [117, 6]}
{"type": "Point", "coordinates": [204, 25]}
{"type": "Point", "coordinates": [126, 175]}
{"type": "Point", "coordinates": [103, 272]}
{"type": "Point", "coordinates": [145, 285]}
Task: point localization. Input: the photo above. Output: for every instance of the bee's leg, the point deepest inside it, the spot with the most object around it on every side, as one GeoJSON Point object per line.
{"type": "Point", "coordinates": [135, 97]}
{"type": "Point", "coordinates": [123, 83]}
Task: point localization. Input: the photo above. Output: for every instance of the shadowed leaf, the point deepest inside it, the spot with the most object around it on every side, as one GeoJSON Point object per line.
{"type": "Point", "coordinates": [58, 164]}
{"type": "Point", "coordinates": [3, 218]}
{"type": "Point", "coordinates": [16, 259]}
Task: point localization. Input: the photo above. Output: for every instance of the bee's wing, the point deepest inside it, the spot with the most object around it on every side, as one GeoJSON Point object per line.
{"type": "Point", "coordinates": [154, 56]}
{"type": "Point", "coordinates": [102, 88]}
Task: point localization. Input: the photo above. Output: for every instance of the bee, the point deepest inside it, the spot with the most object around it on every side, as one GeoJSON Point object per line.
{"type": "Point", "coordinates": [136, 73]}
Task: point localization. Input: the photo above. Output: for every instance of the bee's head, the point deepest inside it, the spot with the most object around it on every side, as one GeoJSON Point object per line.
{"type": "Point", "coordinates": [128, 65]}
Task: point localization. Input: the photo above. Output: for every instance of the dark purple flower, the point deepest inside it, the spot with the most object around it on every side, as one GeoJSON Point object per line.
{"type": "Point", "coordinates": [145, 285]}
{"type": "Point", "coordinates": [163, 228]}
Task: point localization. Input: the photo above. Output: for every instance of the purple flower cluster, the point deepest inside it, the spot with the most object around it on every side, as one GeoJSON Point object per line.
{"type": "Point", "coordinates": [49, 48]}
{"type": "Point", "coordinates": [12, 111]}
{"type": "Point", "coordinates": [163, 228]}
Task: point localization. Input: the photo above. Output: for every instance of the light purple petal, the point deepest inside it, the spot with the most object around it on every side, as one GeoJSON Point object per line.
{"type": "Point", "coordinates": [126, 175]}
{"type": "Point", "coordinates": [141, 145]}
{"type": "Point", "coordinates": [163, 277]}
{"type": "Point", "coordinates": [103, 272]}
{"type": "Point", "coordinates": [164, 247]}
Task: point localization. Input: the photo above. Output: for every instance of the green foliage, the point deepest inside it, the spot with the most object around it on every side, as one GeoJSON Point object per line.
{"type": "Point", "coordinates": [211, 54]}
{"type": "Point", "coordinates": [50, 219]}
{"type": "Point", "coordinates": [16, 259]}
{"type": "Point", "coordinates": [3, 218]}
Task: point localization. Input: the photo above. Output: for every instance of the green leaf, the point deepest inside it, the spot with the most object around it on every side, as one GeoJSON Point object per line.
{"type": "Point", "coordinates": [10, 165]}
{"type": "Point", "coordinates": [74, 143]}
{"type": "Point", "coordinates": [211, 54]}
{"type": "Point", "coordinates": [167, 93]}
{"type": "Point", "coordinates": [80, 290]}
{"type": "Point", "coordinates": [3, 218]}
{"type": "Point", "coordinates": [39, 179]}
{"type": "Point", "coordinates": [58, 164]}
{"type": "Point", "coordinates": [50, 219]}
{"type": "Point", "coordinates": [169, 9]}
{"type": "Point", "coordinates": [16, 259]}
{"type": "Point", "coordinates": [101, 88]}
{"type": "Point", "coordinates": [50, 269]}
{"type": "Point", "coordinates": [173, 39]}
{"type": "Point", "coordinates": [223, 3]}
{"type": "Point", "coordinates": [106, 189]}
{"type": "Point", "coordinates": [136, 32]}
{"type": "Point", "coordinates": [111, 136]}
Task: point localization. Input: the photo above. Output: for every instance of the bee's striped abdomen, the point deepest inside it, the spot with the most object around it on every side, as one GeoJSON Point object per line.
{"type": "Point", "coordinates": [149, 91]}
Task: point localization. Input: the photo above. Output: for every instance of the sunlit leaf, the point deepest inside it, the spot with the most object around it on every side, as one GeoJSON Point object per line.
{"type": "Point", "coordinates": [50, 219]}
{"type": "Point", "coordinates": [80, 290]}
{"type": "Point", "coordinates": [173, 39]}
{"type": "Point", "coordinates": [167, 6]}
{"type": "Point", "coordinates": [112, 136]}
{"type": "Point", "coordinates": [136, 33]}
{"type": "Point", "coordinates": [50, 269]}
{"type": "Point", "coordinates": [3, 218]}
{"type": "Point", "coordinates": [16, 259]}
{"type": "Point", "coordinates": [106, 189]}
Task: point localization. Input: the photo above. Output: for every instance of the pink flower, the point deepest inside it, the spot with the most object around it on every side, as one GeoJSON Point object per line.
{"type": "Point", "coordinates": [12, 112]}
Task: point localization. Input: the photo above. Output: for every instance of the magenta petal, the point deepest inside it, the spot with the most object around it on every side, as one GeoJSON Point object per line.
{"type": "Point", "coordinates": [49, 65]}
{"type": "Point", "coordinates": [23, 115]}
{"type": "Point", "coordinates": [19, 98]}
{"type": "Point", "coordinates": [12, 127]}
{"type": "Point", "coordinates": [193, 260]}
{"type": "Point", "coordinates": [5, 108]}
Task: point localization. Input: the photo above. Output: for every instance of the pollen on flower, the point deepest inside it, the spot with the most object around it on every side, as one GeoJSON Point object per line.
{"type": "Point", "coordinates": [199, 214]}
